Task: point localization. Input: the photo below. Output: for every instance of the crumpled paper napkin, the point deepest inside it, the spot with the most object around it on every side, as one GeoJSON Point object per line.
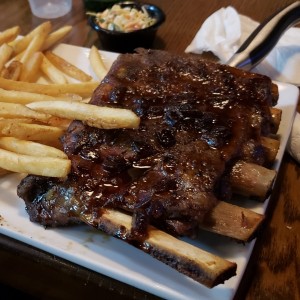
{"type": "Point", "coordinates": [224, 32]}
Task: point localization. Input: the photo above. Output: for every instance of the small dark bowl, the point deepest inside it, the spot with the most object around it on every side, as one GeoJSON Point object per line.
{"type": "Point", "coordinates": [98, 5]}
{"type": "Point", "coordinates": [127, 41]}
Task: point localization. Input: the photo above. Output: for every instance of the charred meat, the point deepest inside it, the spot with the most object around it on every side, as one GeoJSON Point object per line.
{"type": "Point", "coordinates": [198, 119]}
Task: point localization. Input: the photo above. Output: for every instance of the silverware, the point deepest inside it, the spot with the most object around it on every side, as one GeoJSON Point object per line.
{"type": "Point", "coordinates": [257, 46]}
{"type": "Point", "coordinates": [265, 37]}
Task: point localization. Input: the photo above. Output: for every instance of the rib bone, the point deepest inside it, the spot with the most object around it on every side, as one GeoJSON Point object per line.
{"type": "Point", "coordinates": [202, 266]}
{"type": "Point", "coordinates": [250, 179]}
{"type": "Point", "coordinates": [271, 147]}
{"type": "Point", "coordinates": [232, 221]}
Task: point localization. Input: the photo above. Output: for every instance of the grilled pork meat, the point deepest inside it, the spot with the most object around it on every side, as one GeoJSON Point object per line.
{"type": "Point", "coordinates": [197, 120]}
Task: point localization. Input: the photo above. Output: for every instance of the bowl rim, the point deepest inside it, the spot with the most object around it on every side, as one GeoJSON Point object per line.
{"type": "Point", "coordinates": [160, 19]}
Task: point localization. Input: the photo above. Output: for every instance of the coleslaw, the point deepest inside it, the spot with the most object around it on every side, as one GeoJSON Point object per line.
{"type": "Point", "coordinates": [124, 19]}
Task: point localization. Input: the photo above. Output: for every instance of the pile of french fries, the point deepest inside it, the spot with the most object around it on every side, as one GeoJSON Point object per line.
{"type": "Point", "coordinates": [33, 116]}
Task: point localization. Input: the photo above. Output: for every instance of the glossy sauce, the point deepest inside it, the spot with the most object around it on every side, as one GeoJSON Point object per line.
{"type": "Point", "coordinates": [196, 120]}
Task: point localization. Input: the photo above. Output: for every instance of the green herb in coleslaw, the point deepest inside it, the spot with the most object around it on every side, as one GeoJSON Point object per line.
{"type": "Point", "coordinates": [124, 19]}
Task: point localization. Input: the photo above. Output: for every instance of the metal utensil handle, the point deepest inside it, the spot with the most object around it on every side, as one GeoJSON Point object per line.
{"type": "Point", "coordinates": [265, 37]}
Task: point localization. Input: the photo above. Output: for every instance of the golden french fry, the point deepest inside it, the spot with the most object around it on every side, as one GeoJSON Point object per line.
{"type": "Point", "coordinates": [22, 43]}
{"type": "Point", "coordinates": [34, 46]}
{"type": "Point", "coordinates": [31, 68]}
{"type": "Point", "coordinates": [11, 96]}
{"type": "Point", "coordinates": [84, 89]}
{"type": "Point", "coordinates": [69, 97]}
{"type": "Point", "coordinates": [58, 122]}
{"type": "Point", "coordinates": [15, 121]}
{"type": "Point", "coordinates": [96, 116]}
{"type": "Point", "coordinates": [12, 71]}
{"type": "Point", "coordinates": [53, 73]}
{"type": "Point", "coordinates": [4, 122]}
{"type": "Point", "coordinates": [5, 53]}
{"type": "Point", "coordinates": [30, 148]}
{"type": "Point", "coordinates": [21, 59]}
{"type": "Point", "coordinates": [56, 36]}
{"type": "Point", "coordinates": [67, 67]}
{"type": "Point", "coordinates": [43, 166]}
{"type": "Point", "coordinates": [9, 34]}
{"type": "Point", "coordinates": [16, 58]}
{"type": "Point", "coordinates": [97, 63]}
{"type": "Point", "coordinates": [51, 39]}
{"type": "Point", "coordinates": [14, 110]}
{"type": "Point", "coordinates": [31, 132]}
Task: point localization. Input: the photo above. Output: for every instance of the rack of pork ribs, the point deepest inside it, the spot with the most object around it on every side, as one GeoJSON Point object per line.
{"type": "Point", "coordinates": [206, 135]}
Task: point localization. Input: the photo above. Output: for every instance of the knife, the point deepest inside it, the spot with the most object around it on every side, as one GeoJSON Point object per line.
{"type": "Point", "coordinates": [257, 46]}
{"type": "Point", "coordinates": [265, 37]}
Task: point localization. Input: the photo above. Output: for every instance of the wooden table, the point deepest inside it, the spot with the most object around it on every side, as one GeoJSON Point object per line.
{"type": "Point", "coordinates": [274, 269]}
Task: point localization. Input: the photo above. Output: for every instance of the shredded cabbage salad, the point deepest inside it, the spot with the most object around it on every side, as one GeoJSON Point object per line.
{"type": "Point", "coordinates": [124, 19]}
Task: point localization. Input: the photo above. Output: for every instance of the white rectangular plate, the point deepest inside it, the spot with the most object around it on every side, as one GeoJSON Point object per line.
{"type": "Point", "coordinates": [114, 258]}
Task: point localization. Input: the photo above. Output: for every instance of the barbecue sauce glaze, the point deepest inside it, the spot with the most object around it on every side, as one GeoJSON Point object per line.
{"type": "Point", "coordinates": [197, 119]}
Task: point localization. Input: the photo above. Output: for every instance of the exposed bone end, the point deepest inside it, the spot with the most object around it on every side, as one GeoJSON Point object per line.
{"type": "Point", "coordinates": [275, 93]}
{"type": "Point", "coordinates": [271, 147]}
{"type": "Point", "coordinates": [276, 114]}
{"type": "Point", "coordinates": [252, 180]}
{"type": "Point", "coordinates": [233, 221]}
{"type": "Point", "coordinates": [202, 266]}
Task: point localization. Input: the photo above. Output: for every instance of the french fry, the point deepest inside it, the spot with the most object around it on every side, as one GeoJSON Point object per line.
{"type": "Point", "coordinates": [31, 68]}
{"type": "Point", "coordinates": [96, 116]}
{"type": "Point", "coordinates": [14, 110]}
{"type": "Point", "coordinates": [69, 97]}
{"type": "Point", "coordinates": [15, 121]}
{"type": "Point", "coordinates": [12, 71]}
{"type": "Point", "coordinates": [21, 44]}
{"type": "Point", "coordinates": [16, 58]}
{"type": "Point", "coordinates": [30, 148]}
{"type": "Point", "coordinates": [97, 63]}
{"type": "Point", "coordinates": [9, 34]}
{"type": "Point", "coordinates": [51, 39]}
{"type": "Point", "coordinates": [31, 132]}
{"type": "Point", "coordinates": [43, 166]}
{"type": "Point", "coordinates": [34, 46]}
{"type": "Point", "coordinates": [5, 53]}
{"type": "Point", "coordinates": [84, 89]}
{"type": "Point", "coordinates": [62, 123]}
{"type": "Point", "coordinates": [11, 96]}
{"type": "Point", "coordinates": [58, 122]}
{"type": "Point", "coordinates": [54, 74]}
{"type": "Point", "coordinates": [67, 67]}
{"type": "Point", "coordinates": [25, 133]}
{"type": "Point", "coordinates": [56, 36]}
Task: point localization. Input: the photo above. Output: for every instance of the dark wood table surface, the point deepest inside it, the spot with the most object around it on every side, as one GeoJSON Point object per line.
{"type": "Point", "coordinates": [274, 268]}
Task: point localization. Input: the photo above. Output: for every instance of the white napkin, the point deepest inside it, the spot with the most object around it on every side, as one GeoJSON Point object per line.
{"type": "Point", "coordinates": [224, 32]}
